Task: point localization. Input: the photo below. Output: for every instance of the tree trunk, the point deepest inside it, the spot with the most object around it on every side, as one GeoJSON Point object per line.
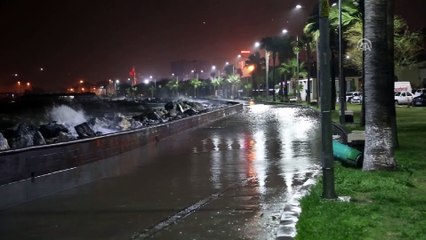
{"type": "Point", "coordinates": [378, 87]}
{"type": "Point", "coordinates": [308, 53]}
{"type": "Point", "coordinates": [274, 56]}
{"type": "Point", "coordinates": [390, 28]}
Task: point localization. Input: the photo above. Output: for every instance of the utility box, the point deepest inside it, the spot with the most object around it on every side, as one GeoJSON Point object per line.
{"type": "Point", "coordinates": [349, 116]}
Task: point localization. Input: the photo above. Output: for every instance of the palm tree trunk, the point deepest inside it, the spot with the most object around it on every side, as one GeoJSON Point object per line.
{"type": "Point", "coordinates": [390, 28]}
{"type": "Point", "coordinates": [282, 88]}
{"type": "Point", "coordinates": [308, 52]}
{"type": "Point", "coordinates": [378, 151]}
{"type": "Point", "coordinates": [274, 56]}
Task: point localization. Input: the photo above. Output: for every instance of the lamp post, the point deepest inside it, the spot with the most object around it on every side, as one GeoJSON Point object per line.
{"type": "Point", "coordinates": [342, 81]}
{"type": "Point", "coordinates": [154, 92]}
{"type": "Point", "coordinates": [296, 50]}
{"type": "Point", "coordinates": [81, 86]}
{"type": "Point", "coordinates": [267, 54]}
{"type": "Point", "coordinates": [324, 73]}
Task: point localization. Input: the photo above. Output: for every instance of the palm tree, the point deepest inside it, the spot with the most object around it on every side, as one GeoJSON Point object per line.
{"type": "Point", "coordinates": [257, 75]}
{"type": "Point", "coordinates": [196, 83]}
{"type": "Point", "coordinates": [290, 68]}
{"type": "Point", "coordinates": [309, 44]}
{"type": "Point", "coordinates": [234, 80]}
{"type": "Point", "coordinates": [284, 69]}
{"type": "Point", "coordinates": [378, 151]}
{"type": "Point", "coordinates": [216, 81]}
{"type": "Point", "coordinates": [273, 45]}
{"type": "Point", "coordinates": [173, 85]}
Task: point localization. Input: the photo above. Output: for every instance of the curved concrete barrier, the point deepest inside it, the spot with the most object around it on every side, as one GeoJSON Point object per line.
{"type": "Point", "coordinates": [26, 174]}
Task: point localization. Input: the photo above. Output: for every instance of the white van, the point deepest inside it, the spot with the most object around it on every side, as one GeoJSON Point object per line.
{"type": "Point", "coordinates": [402, 87]}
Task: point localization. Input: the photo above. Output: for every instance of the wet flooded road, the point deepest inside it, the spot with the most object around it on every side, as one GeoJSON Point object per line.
{"type": "Point", "coordinates": [226, 180]}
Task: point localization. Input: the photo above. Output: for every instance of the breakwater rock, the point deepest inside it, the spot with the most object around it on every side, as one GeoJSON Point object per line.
{"type": "Point", "coordinates": [66, 122]}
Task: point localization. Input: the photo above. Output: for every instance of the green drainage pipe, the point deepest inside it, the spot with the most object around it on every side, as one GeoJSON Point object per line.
{"type": "Point", "coordinates": [347, 155]}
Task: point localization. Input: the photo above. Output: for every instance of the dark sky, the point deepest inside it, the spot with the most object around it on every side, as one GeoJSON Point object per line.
{"type": "Point", "coordinates": [96, 40]}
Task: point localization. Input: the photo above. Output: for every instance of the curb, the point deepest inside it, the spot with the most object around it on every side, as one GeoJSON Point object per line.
{"type": "Point", "coordinates": [291, 212]}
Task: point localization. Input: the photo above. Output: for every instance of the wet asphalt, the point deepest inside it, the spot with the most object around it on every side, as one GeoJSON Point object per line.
{"type": "Point", "coordinates": [230, 179]}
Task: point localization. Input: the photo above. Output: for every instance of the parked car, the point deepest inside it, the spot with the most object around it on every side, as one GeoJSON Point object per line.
{"type": "Point", "coordinates": [353, 97]}
{"type": "Point", "coordinates": [419, 100]}
{"type": "Point", "coordinates": [419, 92]}
{"type": "Point", "coordinates": [403, 97]}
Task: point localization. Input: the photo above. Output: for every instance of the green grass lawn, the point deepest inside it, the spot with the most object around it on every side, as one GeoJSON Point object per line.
{"type": "Point", "coordinates": [384, 205]}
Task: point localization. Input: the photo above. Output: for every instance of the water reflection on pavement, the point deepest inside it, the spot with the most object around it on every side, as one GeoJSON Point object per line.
{"type": "Point", "coordinates": [226, 180]}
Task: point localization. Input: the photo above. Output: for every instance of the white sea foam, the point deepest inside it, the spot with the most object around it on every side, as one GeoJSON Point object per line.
{"type": "Point", "coordinates": [67, 116]}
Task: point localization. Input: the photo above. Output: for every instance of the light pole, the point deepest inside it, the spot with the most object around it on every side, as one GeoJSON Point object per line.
{"type": "Point", "coordinates": [267, 53]}
{"type": "Point", "coordinates": [326, 134]}
{"type": "Point", "coordinates": [155, 85]}
{"type": "Point", "coordinates": [342, 81]}
{"type": "Point", "coordinates": [297, 51]}
{"type": "Point", "coordinates": [81, 86]}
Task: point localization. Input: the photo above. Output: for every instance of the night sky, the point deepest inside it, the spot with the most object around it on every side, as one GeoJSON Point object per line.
{"type": "Point", "coordinates": [97, 40]}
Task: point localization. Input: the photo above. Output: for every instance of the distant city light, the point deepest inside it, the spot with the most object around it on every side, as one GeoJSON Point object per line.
{"type": "Point", "coordinates": [284, 31]}
{"type": "Point", "coordinates": [257, 44]}
{"type": "Point", "coordinates": [298, 6]}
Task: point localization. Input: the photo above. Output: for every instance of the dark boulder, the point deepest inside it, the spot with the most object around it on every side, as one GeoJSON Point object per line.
{"type": "Point", "coordinates": [3, 143]}
{"type": "Point", "coordinates": [52, 130]}
{"type": "Point", "coordinates": [84, 131]}
{"type": "Point", "coordinates": [169, 106]}
{"type": "Point", "coordinates": [24, 135]}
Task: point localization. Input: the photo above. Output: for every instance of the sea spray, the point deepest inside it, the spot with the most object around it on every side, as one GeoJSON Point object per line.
{"type": "Point", "coordinates": [70, 118]}
{"type": "Point", "coordinates": [67, 116]}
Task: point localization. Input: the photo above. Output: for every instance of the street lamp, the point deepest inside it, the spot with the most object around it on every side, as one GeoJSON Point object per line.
{"type": "Point", "coordinates": [267, 53]}
{"type": "Point", "coordinates": [81, 89]}
{"type": "Point", "coordinates": [177, 83]}
{"type": "Point", "coordinates": [324, 75]}
{"type": "Point", "coordinates": [342, 81]}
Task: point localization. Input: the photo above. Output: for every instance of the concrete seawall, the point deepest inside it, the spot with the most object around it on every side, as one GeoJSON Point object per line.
{"type": "Point", "coordinates": [27, 174]}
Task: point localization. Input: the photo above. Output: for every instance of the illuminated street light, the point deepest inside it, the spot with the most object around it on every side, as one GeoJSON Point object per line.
{"type": "Point", "coordinates": [298, 6]}
{"type": "Point", "coordinates": [284, 31]}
